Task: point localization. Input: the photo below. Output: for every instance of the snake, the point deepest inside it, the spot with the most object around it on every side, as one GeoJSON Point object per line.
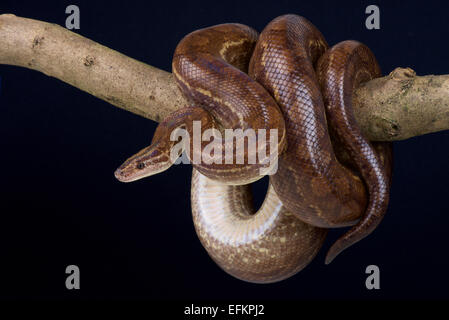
{"type": "Point", "coordinates": [328, 174]}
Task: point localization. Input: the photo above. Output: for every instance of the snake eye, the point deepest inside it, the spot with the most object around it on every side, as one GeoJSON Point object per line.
{"type": "Point", "coordinates": [140, 166]}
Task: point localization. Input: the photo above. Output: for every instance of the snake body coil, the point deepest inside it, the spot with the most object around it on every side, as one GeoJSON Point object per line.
{"type": "Point", "coordinates": [324, 180]}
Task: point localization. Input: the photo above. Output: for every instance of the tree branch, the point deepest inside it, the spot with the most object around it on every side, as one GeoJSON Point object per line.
{"type": "Point", "coordinates": [398, 106]}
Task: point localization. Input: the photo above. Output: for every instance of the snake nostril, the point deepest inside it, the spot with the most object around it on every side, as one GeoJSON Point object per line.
{"type": "Point", "coordinates": [140, 166]}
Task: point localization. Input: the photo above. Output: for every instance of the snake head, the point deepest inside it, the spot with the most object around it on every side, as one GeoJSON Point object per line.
{"type": "Point", "coordinates": [160, 155]}
{"type": "Point", "coordinates": [147, 162]}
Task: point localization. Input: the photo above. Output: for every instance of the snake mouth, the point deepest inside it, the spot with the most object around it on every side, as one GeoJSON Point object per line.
{"type": "Point", "coordinates": [121, 176]}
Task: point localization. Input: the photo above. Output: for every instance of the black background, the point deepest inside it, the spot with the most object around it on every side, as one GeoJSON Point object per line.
{"type": "Point", "coordinates": [60, 203]}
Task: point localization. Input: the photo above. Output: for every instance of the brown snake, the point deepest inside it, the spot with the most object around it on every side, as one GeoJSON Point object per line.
{"type": "Point", "coordinates": [327, 177]}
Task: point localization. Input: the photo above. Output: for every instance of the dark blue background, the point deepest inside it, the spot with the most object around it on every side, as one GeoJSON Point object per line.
{"type": "Point", "coordinates": [60, 203]}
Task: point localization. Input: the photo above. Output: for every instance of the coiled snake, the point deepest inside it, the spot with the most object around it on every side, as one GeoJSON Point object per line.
{"type": "Point", "coordinates": [328, 174]}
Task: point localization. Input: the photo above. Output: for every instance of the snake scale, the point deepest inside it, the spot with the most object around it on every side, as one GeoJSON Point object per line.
{"type": "Point", "coordinates": [328, 174]}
